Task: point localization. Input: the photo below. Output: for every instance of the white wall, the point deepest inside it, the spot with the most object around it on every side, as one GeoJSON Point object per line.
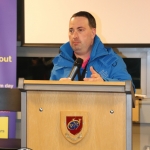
{"type": "Point", "coordinates": [118, 21]}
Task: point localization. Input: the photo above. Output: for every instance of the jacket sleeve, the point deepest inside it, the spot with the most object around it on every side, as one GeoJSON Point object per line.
{"type": "Point", "coordinates": [112, 68]}
{"type": "Point", "coordinates": [54, 73]}
{"type": "Point", "coordinates": [61, 68]}
{"type": "Point", "coordinates": [119, 72]}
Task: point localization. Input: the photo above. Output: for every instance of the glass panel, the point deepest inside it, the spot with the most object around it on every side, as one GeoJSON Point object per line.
{"type": "Point", "coordinates": [134, 69]}
{"type": "Point", "coordinates": [34, 68]}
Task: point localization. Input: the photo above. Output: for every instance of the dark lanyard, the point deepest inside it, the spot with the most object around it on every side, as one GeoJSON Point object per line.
{"type": "Point", "coordinates": [81, 75]}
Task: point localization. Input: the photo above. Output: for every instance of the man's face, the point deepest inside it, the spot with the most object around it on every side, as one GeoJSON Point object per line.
{"type": "Point", "coordinates": [81, 35]}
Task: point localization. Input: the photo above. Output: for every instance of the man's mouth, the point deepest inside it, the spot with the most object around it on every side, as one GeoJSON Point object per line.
{"type": "Point", "coordinates": [76, 42]}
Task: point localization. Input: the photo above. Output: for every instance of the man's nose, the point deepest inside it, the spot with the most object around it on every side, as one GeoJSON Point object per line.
{"type": "Point", "coordinates": [75, 34]}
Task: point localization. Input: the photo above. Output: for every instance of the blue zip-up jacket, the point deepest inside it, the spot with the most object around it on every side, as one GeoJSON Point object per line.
{"type": "Point", "coordinates": [105, 61]}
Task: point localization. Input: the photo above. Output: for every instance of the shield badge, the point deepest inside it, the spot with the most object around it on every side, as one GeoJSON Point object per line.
{"type": "Point", "coordinates": [74, 125]}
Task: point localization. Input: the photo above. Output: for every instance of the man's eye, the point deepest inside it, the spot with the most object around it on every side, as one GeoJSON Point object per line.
{"type": "Point", "coordinates": [71, 31]}
{"type": "Point", "coordinates": [80, 30]}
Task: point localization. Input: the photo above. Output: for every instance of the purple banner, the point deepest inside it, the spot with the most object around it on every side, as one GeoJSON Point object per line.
{"type": "Point", "coordinates": [8, 38]}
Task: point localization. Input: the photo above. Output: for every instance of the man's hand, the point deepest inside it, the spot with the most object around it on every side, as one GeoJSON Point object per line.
{"type": "Point", "coordinates": [65, 79]}
{"type": "Point", "coordinates": [94, 76]}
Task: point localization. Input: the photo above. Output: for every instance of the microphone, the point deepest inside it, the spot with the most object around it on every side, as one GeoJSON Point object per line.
{"type": "Point", "coordinates": [77, 64]}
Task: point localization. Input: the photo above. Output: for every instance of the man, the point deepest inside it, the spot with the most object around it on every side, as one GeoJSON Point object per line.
{"type": "Point", "coordinates": [99, 63]}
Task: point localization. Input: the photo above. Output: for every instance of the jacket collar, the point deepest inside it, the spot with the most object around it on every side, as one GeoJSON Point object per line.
{"type": "Point", "coordinates": [98, 49]}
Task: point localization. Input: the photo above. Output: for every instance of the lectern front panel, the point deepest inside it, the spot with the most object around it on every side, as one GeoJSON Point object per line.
{"type": "Point", "coordinates": [106, 120]}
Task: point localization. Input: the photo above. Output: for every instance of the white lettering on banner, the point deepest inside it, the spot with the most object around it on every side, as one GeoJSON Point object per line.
{"type": "Point", "coordinates": [1, 85]}
{"type": "Point", "coordinates": [9, 86]}
{"type": "Point", "coordinates": [5, 111]}
{"type": "Point", "coordinates": [5, 59]}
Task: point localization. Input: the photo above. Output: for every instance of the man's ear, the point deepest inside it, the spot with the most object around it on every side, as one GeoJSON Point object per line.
{"type": "Point", "coordinates": [93, 32]}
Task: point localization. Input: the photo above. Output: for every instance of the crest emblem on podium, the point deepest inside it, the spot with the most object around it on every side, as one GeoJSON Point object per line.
{"type": "Point", "coordinates": [73, 125]}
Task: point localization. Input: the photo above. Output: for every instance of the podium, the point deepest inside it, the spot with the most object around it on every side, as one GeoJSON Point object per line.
{"type": "Point", "coordinates": [76, 115]}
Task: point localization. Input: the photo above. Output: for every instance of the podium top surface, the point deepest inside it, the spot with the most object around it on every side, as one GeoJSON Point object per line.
{"type": "Point", "coordinates": [73, 82]}
{"type": "Point", "coordinates": [75, 85]}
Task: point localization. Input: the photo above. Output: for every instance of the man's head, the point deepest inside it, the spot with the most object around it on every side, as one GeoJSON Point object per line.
{"type": "Point", "coordinates": [82, 30]}
{"type": "Point", "coordinates": [91, 19]}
